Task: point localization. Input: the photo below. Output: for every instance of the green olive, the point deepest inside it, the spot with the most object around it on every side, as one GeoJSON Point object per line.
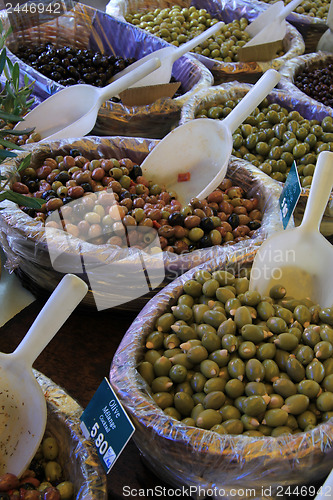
{"type": "Point", "coordinates": [296, 404]}
{"type": "Point", "coordinates": [208, 418]}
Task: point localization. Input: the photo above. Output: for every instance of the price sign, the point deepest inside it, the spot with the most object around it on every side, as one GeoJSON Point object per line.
{"type": "Point", "coordinates": [290, 195]}
{"type": "Point", "coordinates": [107, 424]}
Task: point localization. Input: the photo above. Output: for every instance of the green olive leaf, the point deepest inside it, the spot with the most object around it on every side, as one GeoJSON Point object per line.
{"type": "Point", "coordinates": [9, 116]}
{"type": "Point", "coordinates": [16, 132]}
{"type": "Point", "coordinates": [9, 144]}
{"type": "Point", "coordinates": [3, 57]}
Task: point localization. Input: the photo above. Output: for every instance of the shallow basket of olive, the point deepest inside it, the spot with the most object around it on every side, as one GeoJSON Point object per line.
{"type": "Point", "coordinates": [89, 46]}
{"type": "Point", "coordinates": [309, 18]}
{"type": "Point", "coordinates": [27, 245]}
{"type": "Point", "coordinates": [286, 126]}
{"type": "Point", "coordinates": [219, 54]}
{"type": "Point", "coordinates": [185, 454]}
{"type": "Point", "coordinates": [77, 455]}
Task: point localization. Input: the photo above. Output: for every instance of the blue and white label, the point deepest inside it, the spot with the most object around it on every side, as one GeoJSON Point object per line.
{"type": "Point", "coordinates": [290, 195]}
{"type": "Point", "coordinates": [107, 424]}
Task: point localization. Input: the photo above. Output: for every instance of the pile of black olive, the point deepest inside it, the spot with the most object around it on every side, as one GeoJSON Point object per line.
{"type": "Point", "coordinates": [68, 65]}
{"type": "Point", "coordinates": [317, 82]}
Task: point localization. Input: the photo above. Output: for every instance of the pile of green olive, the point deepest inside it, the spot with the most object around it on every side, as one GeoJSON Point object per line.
{"type": "Point", "coordinates": [226, 359]}
{"type": "Point", "coordinates": [315, 8]}
{"type": "Point", "coordinates": [177, 25]}
{"type": "Point", "coordinates": [272, 137]}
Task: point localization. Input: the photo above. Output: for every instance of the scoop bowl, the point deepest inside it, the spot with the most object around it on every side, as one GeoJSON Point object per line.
{"type": "Point", "coordinates": [23, 415]}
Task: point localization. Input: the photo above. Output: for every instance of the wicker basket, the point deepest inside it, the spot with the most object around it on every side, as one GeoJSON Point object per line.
{"type": "Point", "coordinates": [190, 457]}
{"type": "Point", "coordinates": [86, 27]}
{"type": "Point", "coordinates": [27, 246]}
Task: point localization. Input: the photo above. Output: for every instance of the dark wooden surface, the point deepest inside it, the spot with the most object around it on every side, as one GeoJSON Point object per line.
{"type": "Point", "coordinates": [77, 359]}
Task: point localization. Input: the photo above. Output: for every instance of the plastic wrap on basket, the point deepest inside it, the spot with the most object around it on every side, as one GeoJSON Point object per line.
{"type": "Point", "coordinates": [289, 97]}
{"type": "Point", "coordinates": [27, 247]}
{"type": "Point", "coordinates": [85, 27]}
{"type": "Point", "coordinates": [228, 466]}
{"type": "Point", "coordinates": [226, 11]}
{"type": "Point", "coordinates": [77, 455]}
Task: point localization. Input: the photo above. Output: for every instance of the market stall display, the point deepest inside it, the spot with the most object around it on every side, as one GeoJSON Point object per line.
{"type": "Point", "coordinates": [225, 336]}
{"type": "Point", "coordinates": [86, 32]}
{"type": "Point", "coordinates": [22, 235]}
{"type": "Point", "coordinates": [180, 20]}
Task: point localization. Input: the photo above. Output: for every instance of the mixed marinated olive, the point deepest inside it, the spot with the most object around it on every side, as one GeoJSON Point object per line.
{"type": "Point", "coordinates": [44, 480]}
{"type": "Point", "coordinates": [69, 65]}
{"type": "Point", "coordinates": [317, 83]}
{"type": "Point", "coordinates": [313, 8]}
{"type": "Point", "coordinates": [227, 360]}
{"type": "Point", "coordinates": [272, 137]}
{"type": "Point", "coordinates": [177, 25]}
{"type": "Point", "coordinates": [99, 198]}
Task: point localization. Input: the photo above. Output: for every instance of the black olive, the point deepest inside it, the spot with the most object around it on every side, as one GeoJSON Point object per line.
{"type": "Point", "coordinates": [73, 71]}
{"type": "Point", "coordinates": [32, 185]}
{"type": "Point", "coordinates": [254, 224]}
{"type": "Point", "coordinates": [135, 172]}
{"type": "Point", "coordinates": [96, 60]}
{"type": "Point", "coordinates": [207, 224]}
{"type": "Point", "coordinates": [70, 81]}
{"type": "Point", "coordinates": [176, 219]}
{"type": "Point", "coordinates": [86, 187]}
{"type": "Point", "coordinates": [205, 241]}
{"type": "Point", "coordinates": [66, 199]}
{"type": "Point", "coordinates": [124, 194]}
{"type": "Point", "coordinates": [43, 59]}
{"type": "Point", "coordinates": [46, 69]}
{"type": "Point", "coordinates": [29, 211]}
{"type": "Point", "coordinates": [62, 176]}
{"type": "Point", "coordinates": [233, 220]}
{"type": "Point", "coordinates": [66, 62]}
{"type": "Point", "coordinates": [55, 76]}
{"type": "Point", "coordinates": [32, 57]}
{"type": "Point", "coordinates": [74, 61]}
{"type": "Point", "coordinates": [88, 77]}
{"type": "Point", "coordinates": [55, 60]}
{"type": "Point", "coordinates": [119, 65]}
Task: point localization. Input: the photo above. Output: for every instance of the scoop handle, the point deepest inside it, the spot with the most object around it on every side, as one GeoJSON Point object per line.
{"type": "Point", "coordinates": [123, 83]}
{"type": "Point", "coordinates": [288, 10]}
{"type": "Point", "coordinates": [329, 21]}
{"type": "Point", "coordinates": [57, 309]}
{"type": "Point", "coordinates": [251, 100]}
{"type": "Point", "coordinates": [320, 190]}
{"type": "Point", "coordinates": [186, 47]}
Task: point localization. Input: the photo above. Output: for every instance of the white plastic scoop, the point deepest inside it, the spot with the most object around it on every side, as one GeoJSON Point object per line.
{"type": "Point", "coordinates": [326, 40]}
{"type": "Point", "coordinates": [201, 148]}
{"type": "Point", "coordinates": [301, 259]}
{"type": "Point", "coordinates": [167, 56]}
{"type": "Point", "coordinates": [72, 112]}
{"type": "Point", "coordinates": [23, 406]}
{"type": "Point", "coordinates": [270, 25]}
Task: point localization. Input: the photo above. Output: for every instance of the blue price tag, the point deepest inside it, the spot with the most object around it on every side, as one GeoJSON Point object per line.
{"type": "Point", "coordinates": [104, 421]}
{"type": "Point", "coordinates": [290, 195]}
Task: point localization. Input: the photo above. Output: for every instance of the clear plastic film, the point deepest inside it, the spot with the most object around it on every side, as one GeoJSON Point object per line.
{"type": "Point", "coordinates": [77, 455]}
{"type": "Point", "coordinates": [226, 11]}
{"type": "Point", "coordinates": [311, 28]}
{"type": "Point", "coordinates": [229, 466]}
{"type": "Point", "coordinates": [289, 97]}
{"type": "Point", "coordinates": [85, 27]}
{"type": "Point", "coordinates": [35, 255]}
